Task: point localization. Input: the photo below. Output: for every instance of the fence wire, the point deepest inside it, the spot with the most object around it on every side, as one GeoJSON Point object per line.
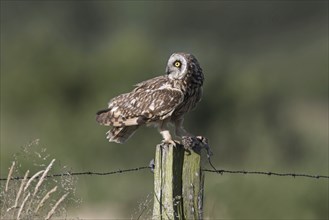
{"type": "Point", "coordinates": [267, 173]}
{"type": "Point", "coordinates": [90, 173]}
{"type": "Point", "coordinates": [215, 170]}
{"type": "Point", "coordinates": [151, 167]}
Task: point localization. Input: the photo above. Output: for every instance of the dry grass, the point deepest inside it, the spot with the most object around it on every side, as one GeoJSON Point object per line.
{"type": "Point", "coordinates": [144, 210]}
{"type": "Point", "coordinates": [35, 196]}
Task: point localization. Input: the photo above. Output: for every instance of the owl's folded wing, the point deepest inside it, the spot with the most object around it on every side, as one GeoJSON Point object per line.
{"type": "Point", "coordinates": [140, 107]}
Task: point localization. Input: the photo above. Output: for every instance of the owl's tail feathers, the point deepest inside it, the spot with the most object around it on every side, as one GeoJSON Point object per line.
{"type": "Point", "coordinates": [102, 116]}
{"type": "Point", "coordinates": [121, 134]}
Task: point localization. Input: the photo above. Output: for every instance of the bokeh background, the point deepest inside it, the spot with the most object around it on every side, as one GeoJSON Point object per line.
{"type": "Point", "coordinates": [265, 103]}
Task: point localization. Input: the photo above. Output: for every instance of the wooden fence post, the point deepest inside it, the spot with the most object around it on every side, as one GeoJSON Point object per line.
{"type": "Point", "coordinates": [178, 181]}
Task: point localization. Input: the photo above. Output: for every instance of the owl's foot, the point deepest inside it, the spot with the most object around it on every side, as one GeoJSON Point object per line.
{"type": "Point", "coordinates": [169, 142]}
{"type": "Point", "coordinates": [167, 139]}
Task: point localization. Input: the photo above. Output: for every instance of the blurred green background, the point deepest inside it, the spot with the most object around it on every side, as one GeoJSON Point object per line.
{"type": "Point", "coordinates": [265, 103]}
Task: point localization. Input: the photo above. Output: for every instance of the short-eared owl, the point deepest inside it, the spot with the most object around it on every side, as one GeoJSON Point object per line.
{"type": "Point", "coordinates": [158, 101]}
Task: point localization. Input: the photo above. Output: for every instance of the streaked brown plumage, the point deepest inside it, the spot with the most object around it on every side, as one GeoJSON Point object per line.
{"type": "Point", "coordinates": [158, 101]}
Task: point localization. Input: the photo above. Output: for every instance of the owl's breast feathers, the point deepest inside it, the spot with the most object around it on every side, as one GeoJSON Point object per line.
{"type": "Point", "coordinates": [152, 100]}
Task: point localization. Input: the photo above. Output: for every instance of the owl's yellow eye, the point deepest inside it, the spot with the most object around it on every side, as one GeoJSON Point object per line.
{"type": "Point", "coordinates": [177, 64]}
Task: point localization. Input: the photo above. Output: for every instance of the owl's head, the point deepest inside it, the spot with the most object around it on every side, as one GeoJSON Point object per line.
{"type": "Point", "coordinates": [180, 64]}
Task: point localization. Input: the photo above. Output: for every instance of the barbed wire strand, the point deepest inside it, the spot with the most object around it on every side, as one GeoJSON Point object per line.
{"type": "Point", "coordinates": [213, 170]}
{"type": "Point", "coordinates": [267, 173]}
{"type": "Point", "coordinates": [84, 173]}
{"type": "Point", "coordinates": [261, 172]}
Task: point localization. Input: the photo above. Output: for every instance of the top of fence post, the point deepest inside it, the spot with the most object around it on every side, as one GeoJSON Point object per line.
{"type": "Point", "coordinates": [178, 180]}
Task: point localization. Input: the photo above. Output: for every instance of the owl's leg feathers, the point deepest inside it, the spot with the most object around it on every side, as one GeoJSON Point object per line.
{"type": "Point", "coordinates": [179, 129]}
{"type": "Point", "coordinates": [167, 139]}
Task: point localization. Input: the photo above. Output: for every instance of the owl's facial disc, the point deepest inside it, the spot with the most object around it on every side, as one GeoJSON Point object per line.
{"type": "Point", "coordinates": [176, 67]}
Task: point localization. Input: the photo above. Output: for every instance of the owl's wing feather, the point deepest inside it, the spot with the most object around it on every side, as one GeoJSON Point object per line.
{"type": "Point", "coordinates": [151, 83]}
{"type": "Point", "coordinates": [140, 106]}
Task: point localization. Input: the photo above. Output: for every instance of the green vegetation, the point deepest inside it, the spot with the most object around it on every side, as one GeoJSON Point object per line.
{"type": "Point", "coordinates": [265, 103]}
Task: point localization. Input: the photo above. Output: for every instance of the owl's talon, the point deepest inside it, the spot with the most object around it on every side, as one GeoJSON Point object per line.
{"type": "Point", "coordinates": [169, 142]}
